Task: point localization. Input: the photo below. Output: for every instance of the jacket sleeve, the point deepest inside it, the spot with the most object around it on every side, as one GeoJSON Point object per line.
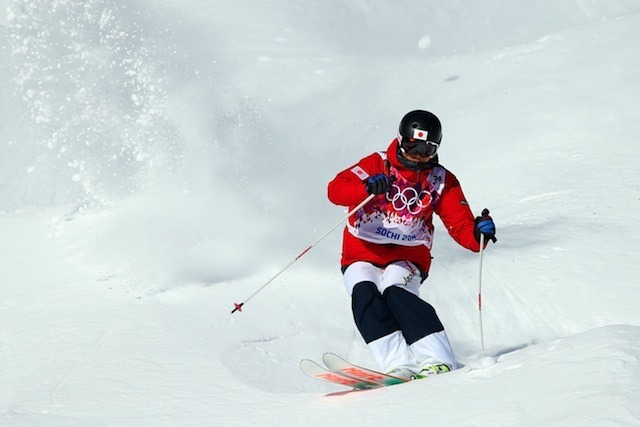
{"type": "Point", "coordinates": [456, 214]}
{"type": "Point", "coordinates": [347, 188]}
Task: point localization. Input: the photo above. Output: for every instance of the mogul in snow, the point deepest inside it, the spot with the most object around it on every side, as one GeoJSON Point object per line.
{"type": "Point", "coordinates": [386, 252]}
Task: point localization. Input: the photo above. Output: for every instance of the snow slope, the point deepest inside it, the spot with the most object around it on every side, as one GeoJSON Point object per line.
{"type": "Point", "coordinates": [160, 160]}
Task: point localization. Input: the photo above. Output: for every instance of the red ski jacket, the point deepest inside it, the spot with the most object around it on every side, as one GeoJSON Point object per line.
{"type": "Point", "coordinates": [398, 226]}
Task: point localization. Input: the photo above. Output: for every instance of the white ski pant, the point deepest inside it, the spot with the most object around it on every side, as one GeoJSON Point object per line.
{"type": "Point", "coordinates": [400, 329]}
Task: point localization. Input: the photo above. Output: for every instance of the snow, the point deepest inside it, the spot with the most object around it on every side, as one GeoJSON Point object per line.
{"type": "Point", "coordinates": [161, 160]}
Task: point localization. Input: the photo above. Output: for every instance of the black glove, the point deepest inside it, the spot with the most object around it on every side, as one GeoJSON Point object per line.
{"type": "Point", "coordinates": [484, 225]}
{"type": "Point", "coordinates": [377, 184]}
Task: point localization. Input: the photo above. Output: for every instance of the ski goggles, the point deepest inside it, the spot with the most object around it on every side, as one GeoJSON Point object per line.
{"type": "Point", "coordinates": [416, 147]}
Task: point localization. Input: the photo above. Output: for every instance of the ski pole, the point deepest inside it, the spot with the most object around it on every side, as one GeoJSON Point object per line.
{"type": "Point", "coordinates": [238, 306]}
{"type": "Point", "coordinates": [485, 212]}
{"type": "Point", "coordinates": [480, 292]}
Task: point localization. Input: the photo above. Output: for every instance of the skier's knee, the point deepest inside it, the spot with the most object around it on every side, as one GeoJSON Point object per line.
{"type": "Point", "coordinates": [417, 317]}
{"type": "Point", "coordinates": [370, 312]}
{"type": "Point", "coordinates": [364, 292]}
{"type": "Point", "coordinates": [363, 298]}
{"type": "Point", "coordinates": [397, 292]}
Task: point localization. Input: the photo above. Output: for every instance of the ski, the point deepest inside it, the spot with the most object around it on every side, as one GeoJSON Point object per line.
{"type": "Point", "coordinates": [340, 371]}
{"type": "Point", "coordinates": [337, 364]}
{"type": "Point", "coordinates": [314, 370]}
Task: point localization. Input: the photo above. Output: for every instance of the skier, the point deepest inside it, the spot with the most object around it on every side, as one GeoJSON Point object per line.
{"type": "Point", "coordinates": [386, 245]}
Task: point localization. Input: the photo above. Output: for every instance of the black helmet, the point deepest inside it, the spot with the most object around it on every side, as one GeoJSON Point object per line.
{"type": "Point", "coordinates": [420, 133]}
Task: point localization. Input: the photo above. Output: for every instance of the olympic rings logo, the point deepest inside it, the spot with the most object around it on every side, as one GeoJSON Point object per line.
{"type": "Point", "coordinates": [408, 199]}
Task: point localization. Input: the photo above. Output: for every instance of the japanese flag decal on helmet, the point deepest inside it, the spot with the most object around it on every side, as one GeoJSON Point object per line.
{"type": "Point", "coordinates": [420, 134]}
